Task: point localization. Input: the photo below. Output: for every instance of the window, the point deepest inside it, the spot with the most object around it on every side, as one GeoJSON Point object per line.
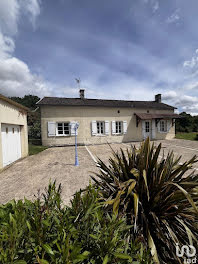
{"type": "Point", "coordinates": [13, 130]}
{"type": "Point", "coordinates": [147, 126]}
{"type": "Point", "coordinates": [100, 127]}
{"type": "Point", "coordinates": [163, 126]}
{"type": "Point", "coordinates": [63, 129]}
{"type": "Point", "coordinates": [118, 127]}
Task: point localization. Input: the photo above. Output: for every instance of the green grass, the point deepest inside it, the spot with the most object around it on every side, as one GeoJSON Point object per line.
{"type": "Point", "coordinates": [33, 149]}
{"type": "Point", "coordinates": [188, 136]}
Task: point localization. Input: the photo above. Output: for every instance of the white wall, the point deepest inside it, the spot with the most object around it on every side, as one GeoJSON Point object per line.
{"type": "Point", "coordinates": [85, 115]}
{"type": "Point", "coordinates": [10, 114]}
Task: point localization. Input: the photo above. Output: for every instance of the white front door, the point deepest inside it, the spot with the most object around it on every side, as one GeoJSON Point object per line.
{"type": "Point", "coordinates": [11, 143]}
{"type": "Point", "coordinates": [146, 129]}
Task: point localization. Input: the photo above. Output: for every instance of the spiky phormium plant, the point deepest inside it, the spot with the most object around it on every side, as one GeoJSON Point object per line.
{"type": "Point", "coordinates": [158, 195]}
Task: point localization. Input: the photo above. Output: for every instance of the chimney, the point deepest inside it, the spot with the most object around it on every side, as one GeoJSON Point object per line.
{"type": "Point", "coordinates": [158, 98]}
{"type": "Point", "coordinates": [82, 93]}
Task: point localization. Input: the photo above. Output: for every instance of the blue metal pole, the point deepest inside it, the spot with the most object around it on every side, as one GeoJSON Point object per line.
{"type": "Point", "coordinates": [76, 152]}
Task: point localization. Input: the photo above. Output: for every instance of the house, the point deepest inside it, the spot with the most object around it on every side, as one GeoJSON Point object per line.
{"type": "Point", "coordinates": [102, 121]}
{"type": "Point", "coordinates": [13, 131]}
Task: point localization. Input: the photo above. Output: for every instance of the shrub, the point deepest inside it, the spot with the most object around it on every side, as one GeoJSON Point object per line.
{"type": "Point", "coordinates": [45, 231]}
{"type": "Point", "coordinates": [156, 195]}
{"type": "Point", "coordinates": [34, 130]}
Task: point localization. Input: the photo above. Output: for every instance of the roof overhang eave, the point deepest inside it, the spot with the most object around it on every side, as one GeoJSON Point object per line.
{"type": "Point", "coordinates": [8, 100]}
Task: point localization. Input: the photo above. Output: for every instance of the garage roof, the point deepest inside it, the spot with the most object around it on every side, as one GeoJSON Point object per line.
{"type": "Point", "coordinates": [60, 101]}
{"type": "Point", "coordinates": [8, 100]}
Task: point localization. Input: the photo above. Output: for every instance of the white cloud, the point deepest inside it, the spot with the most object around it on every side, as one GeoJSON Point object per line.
{"type": "Point", "coordinates": [9, 16]}
{"type": "Point", "coordinates": [193, 109]}
{"type": "Point", "coordinates": [185, 103]}
{"type": "Point", "coordinates": [174, 17]}
{"type": "Point", "coordinates": [187, 100]}
{"type": "Point", "coordinates": [32, 7]}
{"type": "Point", "coordinates": [169, 95]}
{"type": "Point", "coordinates": [7, 46]}
{"type": "Point", "coordinates": [191, 86]}
{"type": "Point", "coordinates": [13, 69]}
{"type": "Point", "coordinates": [10, 11]}
{"type": "Point", "coordinates": [194, 114]}
{"type": "Point", "coordinates": [155, 5]}
{"type": "Point", "coordinates": [193, 62]}
{"type": "Point", "coordinates": [16, 78]}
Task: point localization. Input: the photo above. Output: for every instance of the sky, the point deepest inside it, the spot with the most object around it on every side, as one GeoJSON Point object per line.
{"type": "Point", "coordinates": [120, 49]}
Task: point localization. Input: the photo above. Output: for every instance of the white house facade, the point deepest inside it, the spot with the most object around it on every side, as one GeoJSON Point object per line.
{"type": "Point", "coordinates": [104, 121]}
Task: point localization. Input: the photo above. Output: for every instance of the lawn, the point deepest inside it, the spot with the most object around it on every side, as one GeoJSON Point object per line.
{"type": "Point", "coordinates": [33, 149]}
{"type": "Point", "coordinates": [188, 136]}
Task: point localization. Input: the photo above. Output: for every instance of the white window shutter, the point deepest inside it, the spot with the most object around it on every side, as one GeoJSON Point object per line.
{"type": "Point", "coordinates": [169, 125]}
{"type": "Point", "coordinates": [106, 127]}
{"type": "Point", "coordinates": [158, 126]}
{"type": "Point", "coordinates": [124, 127]}
{"type": "Point", "coordinates": [72, 129]}
{"type": "Point", "coordinates": [93, 128]}
{"type": "Point", "coordinates": [153, 129]}
{"type": "Point", "coordinates": [113, 127]}
{"type": "Point", "coordinates": [143, 129]}
{"type": "Point", "coordinates": [51, 127]}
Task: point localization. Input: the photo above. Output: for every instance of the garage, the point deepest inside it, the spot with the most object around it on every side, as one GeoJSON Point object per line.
{"type": "Point", "coordinates": [11, 143]}
{"type": "Point", "coordinates": [13, 132]}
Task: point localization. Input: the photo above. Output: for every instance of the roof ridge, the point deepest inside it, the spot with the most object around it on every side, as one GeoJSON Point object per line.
{"type": "Point", "coordinates": [102, 103]}
{"type": "Point", "coordinates": [99, 99]}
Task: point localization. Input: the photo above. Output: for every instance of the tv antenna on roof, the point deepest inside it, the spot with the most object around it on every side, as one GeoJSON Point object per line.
{"type": "Point", "coordinates": [78, 82]}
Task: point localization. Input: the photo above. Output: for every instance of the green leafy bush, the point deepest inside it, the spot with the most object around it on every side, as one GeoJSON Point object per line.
{"type": "Point", "coordinates": [156, 195]}
{"type": "Point", "coordinates": [46, 231]}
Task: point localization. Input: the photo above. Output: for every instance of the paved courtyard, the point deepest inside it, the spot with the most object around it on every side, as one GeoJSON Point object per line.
{"type": "Point", "coordinates": [27, 176]}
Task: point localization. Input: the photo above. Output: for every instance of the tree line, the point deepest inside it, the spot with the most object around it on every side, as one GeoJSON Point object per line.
{"type": "Point", "coordinates": [187, 123]}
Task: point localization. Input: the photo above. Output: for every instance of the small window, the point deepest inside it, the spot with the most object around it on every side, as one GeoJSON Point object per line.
{"type": "Point", "coordinates": [163, 126]}
{"type": "Point", "coordinates": [13, 130]}
{"type": "Point", "coordinates": [63, 129]}
{"type": "Point", "coordinates": [119, 126]}
{"type": "Point", "coordinates": [147, 126]}
{"type": "Point", "coordinates": [7, 130]}
{"type": "Point", "coordinates": [100, 127]}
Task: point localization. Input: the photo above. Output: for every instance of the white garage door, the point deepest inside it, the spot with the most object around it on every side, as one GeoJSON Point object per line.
{"type": "Point", "coordinates": [11, 143]}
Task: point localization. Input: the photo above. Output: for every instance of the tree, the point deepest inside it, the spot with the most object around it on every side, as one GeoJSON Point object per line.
{"type": "Point", "coordinates": [187, 123]}
{"type": "Point", "coordinates": [28, 101]}
{"type": "Point", "coordinates": [34, 118]}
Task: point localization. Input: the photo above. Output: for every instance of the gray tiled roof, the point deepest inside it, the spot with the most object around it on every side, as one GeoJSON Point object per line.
{"type": "Point", "coordinates": [145, 116]}
{"type": "Point", "coordinates": [60, 101]}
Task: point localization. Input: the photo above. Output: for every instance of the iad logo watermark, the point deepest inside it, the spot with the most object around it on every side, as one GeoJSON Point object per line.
{"type": "Point", "coordinates": [188, 252]}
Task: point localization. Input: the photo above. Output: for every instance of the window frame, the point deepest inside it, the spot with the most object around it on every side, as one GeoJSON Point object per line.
{"type": "Point", "coordinates": [164, 122]}
{"type": "Point", "coordinates": [149, 127]}
{"type": "Point", "coordinates": [63, 127]}
{"type": "Point", "coordinates": [100, 123]}
{"type": "Point", "coordinates": [118, 127]}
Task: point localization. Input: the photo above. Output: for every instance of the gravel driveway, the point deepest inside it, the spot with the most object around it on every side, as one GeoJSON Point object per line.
{"type": "Point", "coordinates": [26, 177]}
